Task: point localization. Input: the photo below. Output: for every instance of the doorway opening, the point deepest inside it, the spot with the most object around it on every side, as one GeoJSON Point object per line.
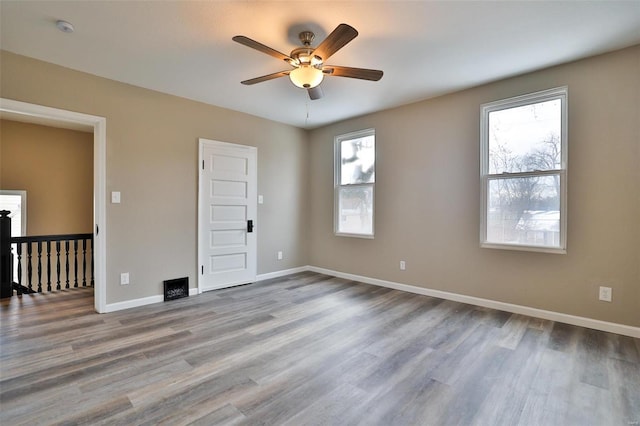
{"type": "Point", "coordinates": [54, 117]}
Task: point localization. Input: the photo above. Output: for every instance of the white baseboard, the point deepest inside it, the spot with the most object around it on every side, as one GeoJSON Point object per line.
{"type": "Point", "coordinates": [625, 330]}
{"type": "Point", "coordinates": [134, 303]}
{"type": "Point", "coordinates": [278, 274]}
{"type": "Point", "coordinates": [128, 304]}
{"type": "Point", "coordinates": [611, 327]}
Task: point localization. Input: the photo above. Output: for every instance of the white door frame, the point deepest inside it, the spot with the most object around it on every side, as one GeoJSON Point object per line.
{"type": "Point", "coordinates": [202, 142]}
{"type": "Point", "coordinates": [33, 112]}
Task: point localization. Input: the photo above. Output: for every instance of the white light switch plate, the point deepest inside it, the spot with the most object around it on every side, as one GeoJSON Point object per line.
{"type": "Point", "coordinates": [605, 294]}
{"type": "Point", "coordinates": [115, 197]}
{"type": "Point", "coordinates": [260, 199]}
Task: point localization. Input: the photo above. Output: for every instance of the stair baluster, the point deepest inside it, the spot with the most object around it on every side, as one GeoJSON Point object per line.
{"type": "Point", "coordinates": [66, 264]}
{"type": "Point", "coordinates": [48, 265]}
{"type": "Point", "coordinates": [19, 252]}
{"type": "Point", "coordinates": [29, 266]}
{"type": "Point", "coordinates": [75, 262]}
{"type": "Point", "coordinates": [58, 264]}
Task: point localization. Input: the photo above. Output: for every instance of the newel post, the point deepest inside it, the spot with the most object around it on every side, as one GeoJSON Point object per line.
{"type": "Point", "coordinates": [6, 258]}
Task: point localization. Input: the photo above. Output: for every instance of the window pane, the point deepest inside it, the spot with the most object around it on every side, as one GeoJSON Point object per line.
{"type": "Point", "coordinates": [355, 210]}
{"type": "Point", "coordinates": [13, 203]}
{"type": "Point", "coordinates": [524, 211]}
{"type": "Point", "coordinates": [357, 159]}
{"type": "Point", "coordinates": [525, 138]}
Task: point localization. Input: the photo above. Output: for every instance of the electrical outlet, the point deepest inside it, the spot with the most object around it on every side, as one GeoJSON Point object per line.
{"type": "Point", "coordinates": [124, 278]}
{"type": "Point", "coordinates": [605, 294]}
{"type": "Point", "coordinates": [279, 255]}
{"type": "Point", "coordinates": [403, 265]}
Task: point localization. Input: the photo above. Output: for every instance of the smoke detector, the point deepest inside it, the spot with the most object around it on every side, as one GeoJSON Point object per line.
{"type": "Point", "coordinates": [64, 26]}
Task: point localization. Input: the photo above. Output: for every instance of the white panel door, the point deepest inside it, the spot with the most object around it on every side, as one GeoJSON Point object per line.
{"type": "Point", "coordinates": [227, 215]}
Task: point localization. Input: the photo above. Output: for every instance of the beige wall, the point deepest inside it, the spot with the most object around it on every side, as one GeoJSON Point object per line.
{"type": "Point", "coordinates": [55, 167]}
{"type": "Point", "coordinates": [152, 150]}
{"type": "Point", "coordinates": [427, 197]}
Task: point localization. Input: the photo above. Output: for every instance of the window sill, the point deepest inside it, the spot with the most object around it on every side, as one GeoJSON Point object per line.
{"type": "Point", "coordinates": [365, 236]}
{"type": "Point", "coordinates": [521, 247]}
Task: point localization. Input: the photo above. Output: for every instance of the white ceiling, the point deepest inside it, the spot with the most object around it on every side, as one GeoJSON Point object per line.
{"type": "Point", "coordinates": [425, 48]}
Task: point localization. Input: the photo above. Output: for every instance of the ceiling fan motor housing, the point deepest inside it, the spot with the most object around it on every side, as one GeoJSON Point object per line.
{"type": "Point", "coordinates": [306, 37]}
{"type": "Point", "coordinates": [304, 55]}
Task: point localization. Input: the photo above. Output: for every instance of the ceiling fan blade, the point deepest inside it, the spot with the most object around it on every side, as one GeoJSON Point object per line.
{"type": "Point", "coordinates": [315, 93]}
{"type": "Point", "coordinates": [361, 73]}
{"type": "Point", "coordinates": [261, 47]}
{"type": "Point", "coordinates": [265, 78]}
{"type": "Point", "coordinates": [335, 41]}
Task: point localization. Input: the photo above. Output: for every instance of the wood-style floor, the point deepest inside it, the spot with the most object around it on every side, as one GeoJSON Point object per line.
{"type": "Point", "coordinates": [304, 350]}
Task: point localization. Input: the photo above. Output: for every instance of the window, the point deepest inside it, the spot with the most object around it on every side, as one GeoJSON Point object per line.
{"type": "Point", "coordinates": [16, 203]}
{"type": "Point", "coordinates": [355, 159]}
{"type": "Point", "coordinates": [523, 168]}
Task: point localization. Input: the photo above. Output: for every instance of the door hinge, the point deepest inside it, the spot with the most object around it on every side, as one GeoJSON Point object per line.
{"type": "Point", "coordinates": [202, 270]}
{"type": "Point", "coordinates": [202, 164]}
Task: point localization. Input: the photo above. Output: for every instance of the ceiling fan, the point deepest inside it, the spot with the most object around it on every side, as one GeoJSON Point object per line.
{"type": "Point", "coordinates": [308, 63]}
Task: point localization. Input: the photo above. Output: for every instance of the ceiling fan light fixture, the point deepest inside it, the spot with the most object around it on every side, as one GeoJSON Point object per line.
{"type": "Point", "coordinates": [306, 76]}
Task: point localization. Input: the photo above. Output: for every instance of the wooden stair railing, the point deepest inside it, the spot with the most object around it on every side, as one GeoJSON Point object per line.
{"type": "Point", "coordinates": [71, 251]}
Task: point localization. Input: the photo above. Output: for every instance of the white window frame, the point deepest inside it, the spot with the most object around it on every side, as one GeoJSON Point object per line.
{"type": "Point", "coordinates": [23, 208]}
{"type": "Point", "coordinates": [337, 185]}
{"type": "Point", "coordinates": [485, 177]}
{"type": "Point", "coordinates": [23, 221]}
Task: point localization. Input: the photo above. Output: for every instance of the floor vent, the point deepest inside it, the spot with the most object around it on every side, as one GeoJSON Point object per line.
{"type": "Point", "coordinates": [176, 289]}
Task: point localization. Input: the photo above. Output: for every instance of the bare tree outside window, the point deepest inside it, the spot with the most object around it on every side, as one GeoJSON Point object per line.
{"type": "Point", "coordinates": [523, 172]}
{"type": "Point", "coordinates": [355, 180]}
